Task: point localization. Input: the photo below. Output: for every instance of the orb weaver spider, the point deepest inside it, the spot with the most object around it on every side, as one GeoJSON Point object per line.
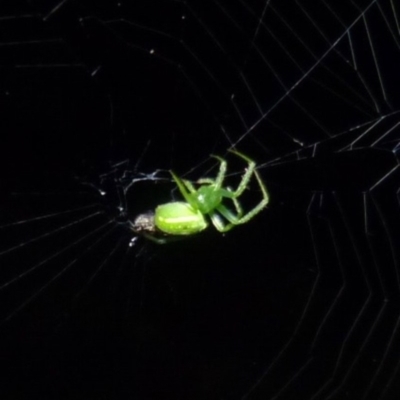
{"type": "Point", "coordinates": [188, 217]}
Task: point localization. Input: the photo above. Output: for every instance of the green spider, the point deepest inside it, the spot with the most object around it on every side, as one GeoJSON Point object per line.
{"type": "Point", "coordinates": [183, 218]}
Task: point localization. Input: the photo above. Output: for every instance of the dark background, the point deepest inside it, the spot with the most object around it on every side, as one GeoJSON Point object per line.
{"type": "Point", "coordinates": [99, 101]}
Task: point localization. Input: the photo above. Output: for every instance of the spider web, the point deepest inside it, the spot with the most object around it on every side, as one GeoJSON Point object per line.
{"type": "Point", "coordinates": [99, 101]}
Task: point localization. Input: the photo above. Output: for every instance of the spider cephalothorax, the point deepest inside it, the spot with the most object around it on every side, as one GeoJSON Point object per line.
{"type": "Point", "coordinates": [206, 202]}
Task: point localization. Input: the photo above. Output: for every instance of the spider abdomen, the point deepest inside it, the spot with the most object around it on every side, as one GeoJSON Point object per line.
{"type": "Point", "coordinates": [179, 218]}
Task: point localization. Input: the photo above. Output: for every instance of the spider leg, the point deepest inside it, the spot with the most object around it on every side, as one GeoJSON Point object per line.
{"type": "Point", "coordinates": [206, 181]}
{"type": "Point", "coordinates": [238, 207]}
{"type": "Point", "coordinates": [225, 192]}
{"type": "Point", "coordinates": [218, 222]}
{"type": "Point", "coordinates": [189, 186]}
{"type": "Point", "coordinates": [221, 173]}
{"type": "Point", "coordinates": [242, 219]}
{"type": "Point", "coordinates": [161, 240]}
{"type": "Point", "coordinates": [182, 188]}
{"type": "Point", "coordinates": [233, 195]}
{"type": "Point", "coordinates": [251, 168]}
{"type": "Point", "coordinates": [228, 193]}
{"type": "Point", "coordinates": [232, 218]}
{"type": "Point", "coordinates": [155, 239]}
{"type": "Point", "coordinates": [259, 207]}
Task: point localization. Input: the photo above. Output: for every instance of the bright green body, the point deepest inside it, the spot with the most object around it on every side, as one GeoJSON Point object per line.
{"type": "Point", "coordinates": [204, 199]}
{"type": "Point", "coordinates": [179, 218]}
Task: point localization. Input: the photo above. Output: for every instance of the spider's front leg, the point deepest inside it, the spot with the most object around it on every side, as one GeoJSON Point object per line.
{"type": "Point", "coordinates": [183, 187]}
{"type": "Point", "coordinates": [241, 219]}
{"type": "Point", "coordinates": [219, 180]}
{"type": "Point", "coordinates": [250, 170]}
{"type": "Point", "coordinates": [243, 185]}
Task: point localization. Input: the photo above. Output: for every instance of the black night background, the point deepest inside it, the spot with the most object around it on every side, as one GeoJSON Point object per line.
{"type": "Point", "coordinates": [99, 100]}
